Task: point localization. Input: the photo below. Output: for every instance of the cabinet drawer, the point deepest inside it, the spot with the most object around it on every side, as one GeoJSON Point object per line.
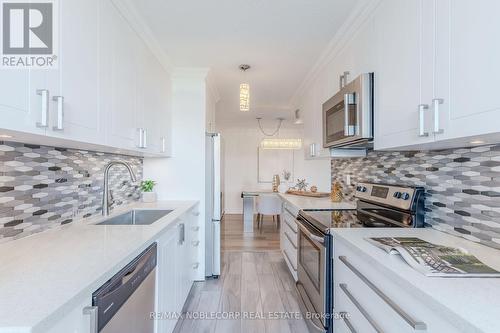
{"type": "Point", "coordinates": [290, 209]}
{"type": "Point", "coordinates": [386, 305]}
{"type": "Point", "coordinates": [290, 222]}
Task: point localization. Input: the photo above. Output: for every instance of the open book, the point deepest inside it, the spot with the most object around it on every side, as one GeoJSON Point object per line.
{"type": "Point", "coordinates": [434, 260]}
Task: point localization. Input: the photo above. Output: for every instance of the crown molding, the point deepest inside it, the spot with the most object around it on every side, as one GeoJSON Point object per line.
{"type": "Point", "coordinates": [354, 22]}
{"type": "Point", "coordinates": [130, 13]}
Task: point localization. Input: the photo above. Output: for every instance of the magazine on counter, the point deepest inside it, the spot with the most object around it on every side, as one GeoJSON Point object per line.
{"type": "Point", "coordinates": [434, 260]}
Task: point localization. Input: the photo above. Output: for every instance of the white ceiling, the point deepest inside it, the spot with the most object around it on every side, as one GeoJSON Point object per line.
{"type": "Point", "coordinates": [280, 39]}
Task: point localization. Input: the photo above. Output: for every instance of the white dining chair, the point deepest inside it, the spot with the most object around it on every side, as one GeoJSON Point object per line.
{"type": "Point", "coordinates": [270, 205]}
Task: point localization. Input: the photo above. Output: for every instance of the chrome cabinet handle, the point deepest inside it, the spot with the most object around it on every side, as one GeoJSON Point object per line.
{"type": "Point", "coordinates": [421, 120]}
{"type": "Point", "coordinates": [60, 113]}
{"type": "Point", "coordinates": [92, 312]}
{"type": "Point", "coordinates": [182, 233]}
{"type": "Point", "coordinates": [347, 322]}
{"type": "Point", "coordinates": [163, 144]}
{"type": "Point", "coordinates": [365, 314]}
{"type": "Point", "coordinates": [415, 324]}
{"type": "Point", "coordinates": [288, 258]}
{"type": "Point", "coordinates": [144, 138]}
{"type": "Point", "coordinates": [436, 102]}
{"type": "Point", "coordinates": [290, 240]}
{"type": "Point", "coordinates": [44, 123]}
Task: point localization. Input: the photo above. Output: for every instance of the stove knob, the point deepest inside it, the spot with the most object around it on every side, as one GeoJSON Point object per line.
{"type": "Point", "coordinates": [363, 189]}
{"type": "Point", "coordinates": [405, 196]}
{"type": "Point", "coordinates": [358, 188]}
{"type": "Point", "coordinates": [397, 195]}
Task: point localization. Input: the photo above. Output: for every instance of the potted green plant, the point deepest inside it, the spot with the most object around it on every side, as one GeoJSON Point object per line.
{"type": "Point", "coordinates": [148, 195]}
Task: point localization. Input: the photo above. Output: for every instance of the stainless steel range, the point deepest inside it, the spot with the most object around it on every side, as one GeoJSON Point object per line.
{"type": "Point", "coordinates": [378, 206]}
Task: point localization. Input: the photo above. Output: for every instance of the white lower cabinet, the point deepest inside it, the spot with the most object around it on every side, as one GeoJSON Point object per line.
{"type": "Point", "coordinates": [374, 302]}
{"type": "Point", "coordinates": [289, 240]}
{"type": "Point", "coordinates": [176, 260]}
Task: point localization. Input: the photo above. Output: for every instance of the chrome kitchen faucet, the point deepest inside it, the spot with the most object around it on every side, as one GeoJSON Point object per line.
{"type": "Point", "coordinates": [107, 195]}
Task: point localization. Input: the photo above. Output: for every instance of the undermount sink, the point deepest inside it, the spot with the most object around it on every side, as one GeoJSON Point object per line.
{"type": "Point", "coordinates": [136, 217]}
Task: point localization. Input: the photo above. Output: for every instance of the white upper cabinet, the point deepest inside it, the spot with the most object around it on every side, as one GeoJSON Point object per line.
{"type": "Point", "coordinates": [109, 90]}
{"type": "Point", "coordinates": [436, 73]}
{"type": "Point", "coordinates": [77, 115]}
{"type": "Point", "coordinates": [19, 112]}
{"type": "Point", "coordinates": [401, 69]}
{"type": "Point", "coordinates": [120, 69]}
{"type": "Point", "coordinates": [467, 67]}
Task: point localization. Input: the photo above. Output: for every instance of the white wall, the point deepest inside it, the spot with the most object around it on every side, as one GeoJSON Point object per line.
{"type": "Point", "coordinates": [240, 144]}
{"type": "Point", "coordinates": [182, 177]}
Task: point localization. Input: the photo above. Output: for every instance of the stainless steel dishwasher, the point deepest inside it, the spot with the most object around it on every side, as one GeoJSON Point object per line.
{"type": "Point", "coordinates": [124, 303]}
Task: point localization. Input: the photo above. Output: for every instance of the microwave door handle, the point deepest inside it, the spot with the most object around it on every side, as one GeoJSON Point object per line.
{"type": "Point", "coordinates": [348, 129]}
{"type": "Point", "coordinates": [346, 114]}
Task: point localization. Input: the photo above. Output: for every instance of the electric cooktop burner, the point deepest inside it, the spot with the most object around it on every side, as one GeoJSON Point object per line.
{"type": "Point", "coordinates": [378, 206]}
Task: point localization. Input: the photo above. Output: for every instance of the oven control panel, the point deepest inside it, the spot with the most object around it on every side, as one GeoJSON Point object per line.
{"type": "Point", "coordinates": [390, 195]}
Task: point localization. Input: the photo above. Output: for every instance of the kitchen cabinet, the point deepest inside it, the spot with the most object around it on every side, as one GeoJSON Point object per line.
{"type": "Point", "coordinates": [466, 68]}
{"type": "Point", "coordinates": [77, 116]}
{"type": "Point", "coordinates": [435, 74]}
{"type": "Point", "coordinates": [402, 72]}
{"type": "Point", "coordinates": [289, 238]}
{"type": "Point", "coordinates": [177, 263]}
{"type": "Point", "coordinates": [109, 89]}
{"type": "Point", "coordinates": [355, 282]}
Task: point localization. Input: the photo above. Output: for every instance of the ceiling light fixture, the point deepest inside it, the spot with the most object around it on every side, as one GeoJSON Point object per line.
{"type": "Point", "coordinates": [5, 136]}
{"type": "Point", "coordinates": [298, 118]}
{"type": "Point", "coordinates": [281, 144]}
{"type": "Point", "coordinates": [280, 122]}
{"type": "Point", "coordinates": [477, 142]}
{"type": "Point", "coordinates": [244, 91]}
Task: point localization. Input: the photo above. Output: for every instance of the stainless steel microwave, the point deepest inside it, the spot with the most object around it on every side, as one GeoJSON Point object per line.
{"type": "Point", "coordinates": [348, 116]}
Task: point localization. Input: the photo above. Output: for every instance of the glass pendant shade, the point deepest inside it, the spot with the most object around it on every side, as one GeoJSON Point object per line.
{"type": "Point", "coordinates": [244, 97]}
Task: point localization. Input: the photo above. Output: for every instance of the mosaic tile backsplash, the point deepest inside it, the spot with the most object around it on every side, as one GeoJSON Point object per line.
{"type": "Point", "coordinates": [462, 186]}
{"type": "Point", "coordinates": [44, 187]}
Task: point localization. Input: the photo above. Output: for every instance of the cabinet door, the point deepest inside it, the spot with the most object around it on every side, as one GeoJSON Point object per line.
{"type": "Point", "coordinates": [152, 100]}
{"type": "Point", "coordinates": [20, 106]}
{"type": "Point", "coordinates": [402, 72]}
{"type": "Point", "coordinates": [467, 67]}
{"type": "Point", "coordinates": [77, 79]}
{"type": "Point", "coordinates": [118, 76]}
{"type": "Point", "coordinates": [167, 279]}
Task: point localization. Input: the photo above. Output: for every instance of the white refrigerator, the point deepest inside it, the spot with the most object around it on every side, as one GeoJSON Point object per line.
{"type": "Point", "coordinates": [214, 205]}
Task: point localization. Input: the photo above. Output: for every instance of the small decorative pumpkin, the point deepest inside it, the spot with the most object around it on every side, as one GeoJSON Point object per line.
{"type": "Point", "coordinates": [314, 189]}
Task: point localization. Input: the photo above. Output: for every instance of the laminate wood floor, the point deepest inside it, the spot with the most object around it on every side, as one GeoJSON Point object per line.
{"type": "Point", "coordinates": [255, 292]}
{"type": "Point", "coordinates": [234, 239]}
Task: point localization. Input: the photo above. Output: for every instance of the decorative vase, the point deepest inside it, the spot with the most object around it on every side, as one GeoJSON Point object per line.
{"type": "Point", "coordinates": [148, 196]}
{"type": "Point", "coordinates": [336, 195]}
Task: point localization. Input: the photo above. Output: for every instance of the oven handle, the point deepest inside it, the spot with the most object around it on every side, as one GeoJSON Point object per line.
{"type": "Point", "coordinates": [309, 234]}
{"type": "Point", "coordinates": [305, 308]}
{"type": "Point", "coordinates": [383, 218]}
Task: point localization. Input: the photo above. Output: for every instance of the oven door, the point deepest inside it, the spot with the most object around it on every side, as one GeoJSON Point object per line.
{"type": "Point", "coordinates": [312, 273]}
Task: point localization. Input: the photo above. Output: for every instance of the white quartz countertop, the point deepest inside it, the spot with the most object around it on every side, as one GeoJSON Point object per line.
{"type": "Point", "coordinates": [470, 303]}
{"type": "Point", "coordinates": [301, 202]}
{"type": "Point", "coordinates": [42, 275]}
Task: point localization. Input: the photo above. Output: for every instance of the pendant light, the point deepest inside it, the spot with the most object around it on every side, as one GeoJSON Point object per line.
{"type": "Point", "coordinates": [244, 91]}
{"type": "Point", "coordinates": [277, 143]}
